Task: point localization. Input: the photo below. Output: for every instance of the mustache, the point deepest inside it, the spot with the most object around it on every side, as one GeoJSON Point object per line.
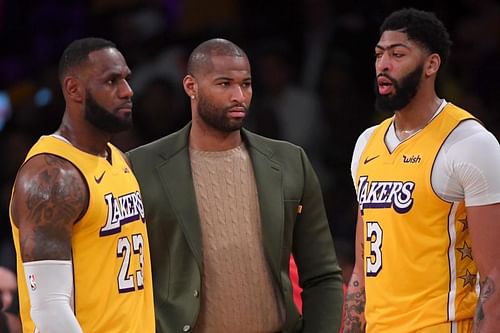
{"type": "Point", "coordinates": [124, 105]}
{"type": "Point", "coordinates": [237, 105]}
{"type": "Point", "coordinates": [393, 80]}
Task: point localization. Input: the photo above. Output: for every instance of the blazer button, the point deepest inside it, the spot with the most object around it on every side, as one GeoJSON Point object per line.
{"type": "Point", "coordinates": [186, 328]}
{"type": "Point", "coordinates": [196, 293]}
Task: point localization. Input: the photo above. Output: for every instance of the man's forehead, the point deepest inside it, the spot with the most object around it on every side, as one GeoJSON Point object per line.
{"type": "Point", "coordinates": [228, 64]}
{"type": "Point", "coordinates": [105, 60]}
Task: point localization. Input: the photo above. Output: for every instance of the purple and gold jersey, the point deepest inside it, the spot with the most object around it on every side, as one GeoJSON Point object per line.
{"type": "Point", "coordinates": [419, 272]}
{"type": "Point", "coordinates": [110, 250]}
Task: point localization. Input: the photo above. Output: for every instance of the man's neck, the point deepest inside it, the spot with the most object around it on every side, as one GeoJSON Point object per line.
{"type": "Point", "coordinates": [83, 137]}
{"type": "Point", "coordinates": [206, 139]}
{"type": "Point", "coordinates": [416, 115]}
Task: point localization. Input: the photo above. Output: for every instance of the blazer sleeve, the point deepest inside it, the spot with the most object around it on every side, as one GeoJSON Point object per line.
{"type": "Point", "coordinates": [319, 273]}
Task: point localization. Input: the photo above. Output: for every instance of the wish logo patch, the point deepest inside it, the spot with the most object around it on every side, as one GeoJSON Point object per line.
{"type": "Point", "coordinates": [412, 159]}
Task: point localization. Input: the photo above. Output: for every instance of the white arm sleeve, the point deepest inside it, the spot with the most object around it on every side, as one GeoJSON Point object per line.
{"type": "Point", "coordinates": [50, 287]}
{"type": "Point", "coordinates": [467, 167]}
{"type": "Point", "coordinates": [358, 150]}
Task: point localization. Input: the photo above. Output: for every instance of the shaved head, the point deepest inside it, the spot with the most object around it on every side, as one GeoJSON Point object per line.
{"type": "Point", "coordinates": [200, 59]}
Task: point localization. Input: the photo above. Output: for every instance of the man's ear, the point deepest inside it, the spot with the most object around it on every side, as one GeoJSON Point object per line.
{"type": "Point", "coordinates": [432, 64]}
{"type": "Point", "coordinates": [73, 89]}
{"type": "Point", "coordinates": [190, 86]}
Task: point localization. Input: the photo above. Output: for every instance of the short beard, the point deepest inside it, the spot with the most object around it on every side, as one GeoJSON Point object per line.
{"type": "Point", "coordinates": [217, 118]}
{"type": "Point", "coordinates": [405, 90]}
{"type": "Point", "coordinates": [103, 119]}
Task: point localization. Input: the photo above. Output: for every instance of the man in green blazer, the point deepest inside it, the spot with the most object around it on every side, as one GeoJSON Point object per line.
{"type": "Point", "coordinates": [225, 210]}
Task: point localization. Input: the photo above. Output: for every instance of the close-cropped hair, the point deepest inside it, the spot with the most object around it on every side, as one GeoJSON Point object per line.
{"type": "Point", "coordinates": [78, 52]}
{"type": "Point", "coordinates": [201, 56]}
{"type": "Point", "coordinates": [422, 27]}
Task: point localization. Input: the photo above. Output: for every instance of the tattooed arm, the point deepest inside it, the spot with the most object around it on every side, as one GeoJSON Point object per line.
{"type": "Point", "coordinates": [354, 308]}
{"type": "Point", "coordinates": [484, 225]}
{"type": "Point", "coordinates": [49, 196]}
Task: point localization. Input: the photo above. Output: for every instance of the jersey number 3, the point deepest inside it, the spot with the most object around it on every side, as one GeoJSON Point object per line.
{"type": "Point", "coordinates": [374, 237]}
{"type": "Point", "coordinates": [125, 250]}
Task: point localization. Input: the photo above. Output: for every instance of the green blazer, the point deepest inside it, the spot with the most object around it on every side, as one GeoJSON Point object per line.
{"type": "Point", "coordinates": [285, 180]}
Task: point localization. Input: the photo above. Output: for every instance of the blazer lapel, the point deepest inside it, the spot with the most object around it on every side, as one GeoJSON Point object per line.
{"type": "Point", "coordinates": [177, 181]}
{"type": "Point", "coordinates": [268, 177]}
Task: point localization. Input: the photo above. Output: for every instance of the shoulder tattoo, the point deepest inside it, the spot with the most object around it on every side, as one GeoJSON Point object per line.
{"type": "Point", "coordinates": [53, 200]}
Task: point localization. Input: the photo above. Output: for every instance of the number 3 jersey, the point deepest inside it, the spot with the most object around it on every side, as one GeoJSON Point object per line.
{"type": "Point", "coordinates": [419, 270]}
{"type": "Point", "coordinates": [110, 249]}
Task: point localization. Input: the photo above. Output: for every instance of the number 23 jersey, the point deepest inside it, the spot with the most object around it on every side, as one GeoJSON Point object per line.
{"type": "Point", "coordinates": [110, 249]}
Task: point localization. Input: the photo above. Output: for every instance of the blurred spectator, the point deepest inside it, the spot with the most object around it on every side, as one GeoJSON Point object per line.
{"type": "Point", "coordinates": [9, 317]}
{"type": "Point", "coordinates": [14, 145]}
{"type": "Point", "coordinates": [324, 29]}
{"type": "Point", "coordinates": [282, 109]}
{"type": "Point", "coordinates": [160, 110]}
{"type": "Point", "coordinates": [477, 50]}
{"type": "Point", "coordinates": [344, 106]}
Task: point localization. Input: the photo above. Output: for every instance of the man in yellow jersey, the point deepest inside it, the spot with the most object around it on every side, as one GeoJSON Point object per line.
{"type": "Point", "coordinates": [226, 208]}
{"type": "Point", "coordinates": [76, 210]}
{"type": "Point", "coordinates": [429, 198]}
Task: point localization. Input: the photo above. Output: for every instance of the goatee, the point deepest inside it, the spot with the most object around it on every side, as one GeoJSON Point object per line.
{"type": "Point", "coordinates": [217, 118]}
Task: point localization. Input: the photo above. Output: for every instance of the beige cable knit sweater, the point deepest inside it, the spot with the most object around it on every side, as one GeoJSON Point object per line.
{"type": "Point", "coordinates": [237, 291]}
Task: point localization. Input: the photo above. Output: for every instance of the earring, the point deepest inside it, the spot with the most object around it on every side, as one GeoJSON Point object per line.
{"type": "Point", "coordinates": [192, 96]}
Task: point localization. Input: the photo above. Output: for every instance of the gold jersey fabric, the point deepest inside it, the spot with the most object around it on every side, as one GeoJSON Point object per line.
{"type": "Point", "coordinates": [110, 249]}
{"type": "Point", "coordinates": [419, 272]}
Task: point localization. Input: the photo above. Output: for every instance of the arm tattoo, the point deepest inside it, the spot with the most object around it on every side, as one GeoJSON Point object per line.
{"type": "Point", "coordinates": [355, 299]}
{"type": "Point", "coordinates": [487, 290]}
{"type": "Point", "coordinates": [54, 201]}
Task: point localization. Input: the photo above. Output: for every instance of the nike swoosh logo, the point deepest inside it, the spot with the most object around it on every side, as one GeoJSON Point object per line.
{"type": "Point", "coordinates": [367, 160]}
{"type": "Point", "coordinates": [98, 179]}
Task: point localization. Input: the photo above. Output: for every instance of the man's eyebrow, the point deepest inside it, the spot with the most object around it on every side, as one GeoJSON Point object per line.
{"type": "Point", "coordinates": [380, 47]}
{"type": "Point", "coordinates": [228, 78]}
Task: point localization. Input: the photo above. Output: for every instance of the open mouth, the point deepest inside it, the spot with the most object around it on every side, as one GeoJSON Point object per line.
{"type": "Point", "coordinates": [385, 86]}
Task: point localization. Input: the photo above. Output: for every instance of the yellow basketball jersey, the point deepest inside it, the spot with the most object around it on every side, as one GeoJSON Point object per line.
{"type": "Point", "coordinates": [110, 249]}
{"type": "Point", "coordinates": [419, 271]}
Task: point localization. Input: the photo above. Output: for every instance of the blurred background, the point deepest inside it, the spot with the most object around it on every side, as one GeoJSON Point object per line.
{"type": "Point", "coordinates": [312, 66]}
